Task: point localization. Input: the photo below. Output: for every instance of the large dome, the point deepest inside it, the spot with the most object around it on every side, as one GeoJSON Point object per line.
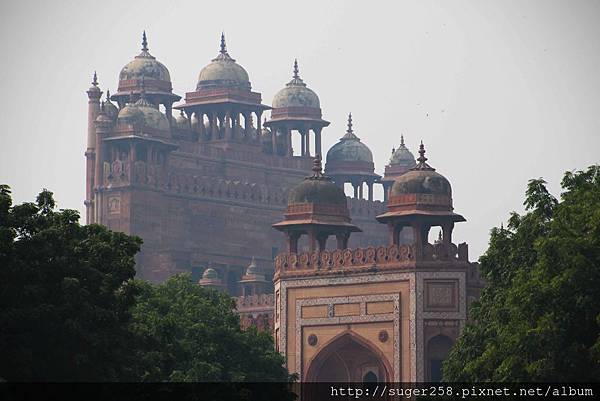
{"type": "Point", "coordinates": [223, 71]}
{"type": "Point", "coordinates": [145, 66]}
{"type": "Point", "coordinates": [402, 156]}
{"type": "Point", "coordinates": [318, 189]}
{"type": "Point", "coordinates": [296, 94]}
{"type": "Point", "coordinates": [349, 148]}
{"type": "Point", "coordinates": [422, 179]}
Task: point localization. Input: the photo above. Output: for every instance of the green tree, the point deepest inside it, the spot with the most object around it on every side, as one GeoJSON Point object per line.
{"type": "Point", "coordinates": [64, 301]}
{"type": "Point", "coordinates": [538, 319]}
{"type": "Point", "coordinates": [188, 333]}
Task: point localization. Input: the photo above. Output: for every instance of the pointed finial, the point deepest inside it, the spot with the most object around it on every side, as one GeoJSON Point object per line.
{"type": "Point", "coordinates": [317, 167]}
{"type": "Point", "coordinates": [107, 95]}
{"type": "Point", "coordinates": [95, 79]}
{"type": "Point", "coordinates": [401, 139]}
{"type": "Point", "coordinates": [296, 70]}
{"type": "Point", "coordinates": [144, 42]}
{"type": "Point", "coordinates": [223, 45]}
{"type": "Point", "coordinates": [422, 158]}
{"type": "Point", "coordinates": [393, 151]}
{"type": "Point", "coordinates": [349, 130]}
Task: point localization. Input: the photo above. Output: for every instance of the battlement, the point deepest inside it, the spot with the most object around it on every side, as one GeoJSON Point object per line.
{"type": "Point", "coordinates": [385, 257]}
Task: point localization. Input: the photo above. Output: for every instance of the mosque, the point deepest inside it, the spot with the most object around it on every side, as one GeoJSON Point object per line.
{"type": "Point", "coordinates": [351, 287]}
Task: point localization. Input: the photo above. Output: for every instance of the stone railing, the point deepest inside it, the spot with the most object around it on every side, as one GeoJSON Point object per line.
{"type": "Point", "coordinates": [365, 208]}
{"type": "Point", "coordinates": [254, 301]}
{"type": "Point", "coordinates": [344, 258]}
{"type": "Point", "coordinates": [380, 256]}
{"type": "Point", "coordinates": [212, 187]}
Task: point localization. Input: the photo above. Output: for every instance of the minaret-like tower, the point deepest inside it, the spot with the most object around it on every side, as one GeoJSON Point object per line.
{"type": "Point", "coordinates": [94, 94]}
{"type": "Point", "coordinates": [296, 108]}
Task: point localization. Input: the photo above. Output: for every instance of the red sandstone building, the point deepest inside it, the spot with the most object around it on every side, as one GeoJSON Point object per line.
{"type": "Point", "coordinates": [204, 187]}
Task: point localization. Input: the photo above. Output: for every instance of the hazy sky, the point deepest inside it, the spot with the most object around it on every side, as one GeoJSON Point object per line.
{"type": "Point", "coordinates": [499, 91]}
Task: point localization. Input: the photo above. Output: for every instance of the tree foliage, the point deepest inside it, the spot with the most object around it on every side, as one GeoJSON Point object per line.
{"type": "Point", "coordinates": [538, 319]}
{"type": "Point", "coordinates": [64, 309]}
{"type": "Point", "coordinates": [192, 334]}
{"type": "Point", "coordinates": [70, 310]}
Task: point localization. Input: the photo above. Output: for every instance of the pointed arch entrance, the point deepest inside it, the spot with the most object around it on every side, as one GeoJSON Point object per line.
{"type": "Point", "coordinates": [349, 357]}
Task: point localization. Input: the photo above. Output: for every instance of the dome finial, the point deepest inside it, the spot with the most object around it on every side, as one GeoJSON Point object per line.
{"type": "Point", "coordinates": [317, 168]}
{"type": "Point", "coordinates": [144, 42]}
{"type": "Point", "coordinates": [107, 95]}
{"type": "Point", "coordinates": [401, 139]}
{"type": "Point", "coordinates": [296, 70]}
{"type": "Point", "coordinates": [223, 45]}
{"type": "Point", "coordinates": [95, 79]}
{"type": "Point", "coordinates": [349, 130]}
{"type": "Point", "coordinates": [422, 159]}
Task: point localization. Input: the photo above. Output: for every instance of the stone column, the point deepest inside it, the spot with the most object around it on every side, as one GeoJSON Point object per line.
{"type": "Point", "coordinates": [228, 131]}
{"type": "Point", "coordinates": [303, 143]}
{"type": "Point", "coordinates": [258, 124]}
{"type": "Point", "coordinates": [342, 240]}
{"type": "Point", "coordinates": [274, 138]}
{"type": "Point", "coordinates": [355, 190]}
{"type": "Point", "coordinates": [213, 126]}
{"type": "Point", "coordinates": [318, 140]}
{"type": "Point", "coordinates": [288, 140]}
{"type": "Point", "coordinates": [360, 190]}
{"type": "Point", "coordinates": [370, 186]}
{"type": "Point", "coordinates": [308, 143]}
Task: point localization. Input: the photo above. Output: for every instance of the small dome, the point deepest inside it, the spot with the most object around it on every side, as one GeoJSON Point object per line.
{"type": "Point", "coordinates": [145, 66]}
{"type": "Point", "coordinates": [103, 118]}
{"type": "Point", "coordinates": [130, 114]}
{"type": "Point", "coordinates": [223, 71]}
{"type": "Point", "coordinates": [210, 273]}
{"type": "Point", "coordinates": [402, 156]}
{"type": "Point", "coordinates": [350, 148]}
{"type": "Point", "coordinates": [317, 189]}
{"type": "Point", "coordinates": [296, 94]}
{"type": "Point", "coordinates": [94, 88]}
{"type": "Point", "coordinates": [109, 108]}
{"type": "Point", "coordinates": [145, 113]}
{"type": "Point", "coordinates": [422, 179]}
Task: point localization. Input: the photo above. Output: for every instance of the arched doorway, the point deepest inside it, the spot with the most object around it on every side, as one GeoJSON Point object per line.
{"type": "Point", "coordinates": [349, 358]}
{"type": "Point", "coordinates": [438, 348]}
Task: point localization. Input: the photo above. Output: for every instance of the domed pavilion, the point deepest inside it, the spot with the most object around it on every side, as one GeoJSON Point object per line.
{"type": "Point", "coordinates": [350, 160]}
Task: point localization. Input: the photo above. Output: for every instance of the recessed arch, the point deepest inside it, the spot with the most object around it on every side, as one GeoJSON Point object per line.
{"type": "Point", "coordinates": [344, 358]}
{"type": "Point", "coordinates": [438, 348]}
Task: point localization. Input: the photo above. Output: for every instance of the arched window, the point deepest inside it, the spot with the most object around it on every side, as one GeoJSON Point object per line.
{"type": "Point", "coordinates": [370, 377]}
{"type": "Point", "coordinates": [437, 350]}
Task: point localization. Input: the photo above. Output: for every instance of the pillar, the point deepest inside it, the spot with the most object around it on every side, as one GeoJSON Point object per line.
{"type": "Point", "coordinates": [318, 140]}
{"type": "Point", "coordinates": [258, 124]}
{"type": "Point", "coordinates": [274, 138]}
{"type": "Point", "coordinates": [228, 131]}
{"type": "Point", "coordinates": [447, 233]}
{"type": "Point", "coordinates": [303, 143]}
{"type": "Point", "coordinates": [360, 190]}
{"type": "Point", "coordinates": [288, 140]}
{"type": "Point", "coordinates": [342, 240]}
{"type": "Point", "coordinates": [355, 190]}
{"type": "Point", "coordinates": [370, 186]}
{"type": "Point", "coordinates": [308, 143]}
{"type": "Point", "coordinates": [213, 126]}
